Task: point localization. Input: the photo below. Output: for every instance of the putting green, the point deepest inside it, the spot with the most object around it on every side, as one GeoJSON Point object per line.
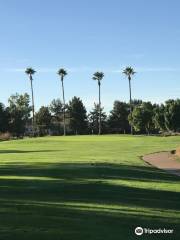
{"type": "Point", "coordinates": [86, 187]}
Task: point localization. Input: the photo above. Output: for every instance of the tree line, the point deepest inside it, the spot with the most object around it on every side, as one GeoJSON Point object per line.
{"type": "Point", "coordinates": [97, 76]}
{"type": "Point", "coordinates": [138, 116]}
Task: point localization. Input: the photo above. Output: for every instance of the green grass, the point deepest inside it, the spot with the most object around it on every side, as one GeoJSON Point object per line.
{"type": "Point", "coordinates": [86, 188]}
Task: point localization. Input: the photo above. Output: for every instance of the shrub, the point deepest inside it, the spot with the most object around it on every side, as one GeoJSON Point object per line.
{"type": "Point", "coordinates": [5, 136]}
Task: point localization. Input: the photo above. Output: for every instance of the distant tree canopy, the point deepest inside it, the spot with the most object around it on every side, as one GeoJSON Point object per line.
{"type": "Point", "coordinates": [4, 118]}
{"type": "Point", "coordinates": [172, 115]}
{"type": "Point", "coordinates": [78, 116]}
{"type": "Point", "coordinates": [118, 118]}
{"type": "Point", "coordinates": [93, 120]}
{"type": "Point", "coordinates": [56, 107]}
{"type": "Point", "coordinates": [146, 118]}
{"type": "Point", "coordinates": [19, 113]}
{"type": "Point", "coordinates": [158, 118]}
{"type": "Point", "coordinates": [142, 118]}
{"type": "Point", "coordinates": [43, 120]}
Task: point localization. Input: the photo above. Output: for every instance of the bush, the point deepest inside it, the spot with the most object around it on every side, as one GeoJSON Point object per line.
{"type": "Point", "coordinates": [5, 136]}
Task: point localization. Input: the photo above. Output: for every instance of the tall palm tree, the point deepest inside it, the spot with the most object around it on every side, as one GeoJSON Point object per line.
{"type": "Point", "coordinates": [30, 71]}
{"type": "Point", "coordinates": [98, 76]}
{"type": "Point", "coordinates": [62, 73]}
{"type": "Point", "coordinates": [129, 72]}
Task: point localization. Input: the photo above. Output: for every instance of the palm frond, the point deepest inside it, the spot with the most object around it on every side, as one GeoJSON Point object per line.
{"type": "Point", "coordinates": [129, 71]}
{"type": "Point", "coordinates": [98, 76]}
{"type": "Point", "coordinates": [30, 71]}
{"type": "Point", "coordinates": [62, 72]}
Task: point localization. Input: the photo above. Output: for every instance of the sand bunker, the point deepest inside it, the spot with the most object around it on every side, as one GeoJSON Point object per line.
{"type": "Point", "coordinates": [165, 161]}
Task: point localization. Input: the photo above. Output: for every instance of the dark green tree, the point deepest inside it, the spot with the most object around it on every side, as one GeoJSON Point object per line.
{"type": "Point", "coordinates": [78, 116]}
{"type": "Point", "coordinates": [4, 119]}
{"type": "Point", "coordinates": [141, 118]}
{"type": "Point", "coordinates": [93, 120]}
{"type": "Point", "coordinates": [19, 113]}
{"type": "Point", "coordinates": [172, 115]}
{"type": "Point", "coordinates": [43, 120]}
{"type": "Point", "coordinates": [118, 118]}
{"type": "Point", "coordinates": [136, 102]}
{"type": "Point", "coordinates": [158, 118]}
{"type": "Point", "coordinates": [56, 108]}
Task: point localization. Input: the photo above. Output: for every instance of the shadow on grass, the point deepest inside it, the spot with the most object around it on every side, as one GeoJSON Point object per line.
{"type": "Point", "coordinates": [90, 183]}
{"type": "Point", "coordinates": [41, 220]}
{"type": "Point", "coordinates": [74, 171]}
{"type": "Point", "coordinates": [57, 208]}
{"type": "Point", "coordinates": [28, 151]}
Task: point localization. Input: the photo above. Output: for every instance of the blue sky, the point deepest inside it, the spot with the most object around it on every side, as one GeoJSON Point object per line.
{"type": "Point", "coordinates": [85, 36]}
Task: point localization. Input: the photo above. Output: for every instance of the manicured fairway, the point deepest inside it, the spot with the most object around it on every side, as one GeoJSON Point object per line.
{"type": "Point", "coordinates": [86, 188]}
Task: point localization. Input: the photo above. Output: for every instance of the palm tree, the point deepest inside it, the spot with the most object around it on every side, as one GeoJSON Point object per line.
{"type": "Point", "coordinates": [62, 73]}
{"type": "Point", "coordinates": [30, 71]}
{"type": "Point", "coordinates": [98, 76]}
{"type": "Point", "coordinates": [129, 72]}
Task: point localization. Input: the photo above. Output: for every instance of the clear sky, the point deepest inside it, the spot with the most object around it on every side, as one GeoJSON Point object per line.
{"type": "Point", "coordinates": [85, 36]}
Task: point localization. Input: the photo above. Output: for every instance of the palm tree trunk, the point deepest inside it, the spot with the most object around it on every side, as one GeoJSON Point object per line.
{"type": "Point", "coordinates": [64, 124]}
{"type": "Point", "coordinates": [99, 84]}
{"type": "Point", "coordinates": [130, 102]}
{"type": "Point", "coordinates": [33, 111]}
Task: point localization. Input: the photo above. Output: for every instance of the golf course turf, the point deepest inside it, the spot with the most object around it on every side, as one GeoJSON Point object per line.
{"type": "Point", "coordinates": [86, 188]}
